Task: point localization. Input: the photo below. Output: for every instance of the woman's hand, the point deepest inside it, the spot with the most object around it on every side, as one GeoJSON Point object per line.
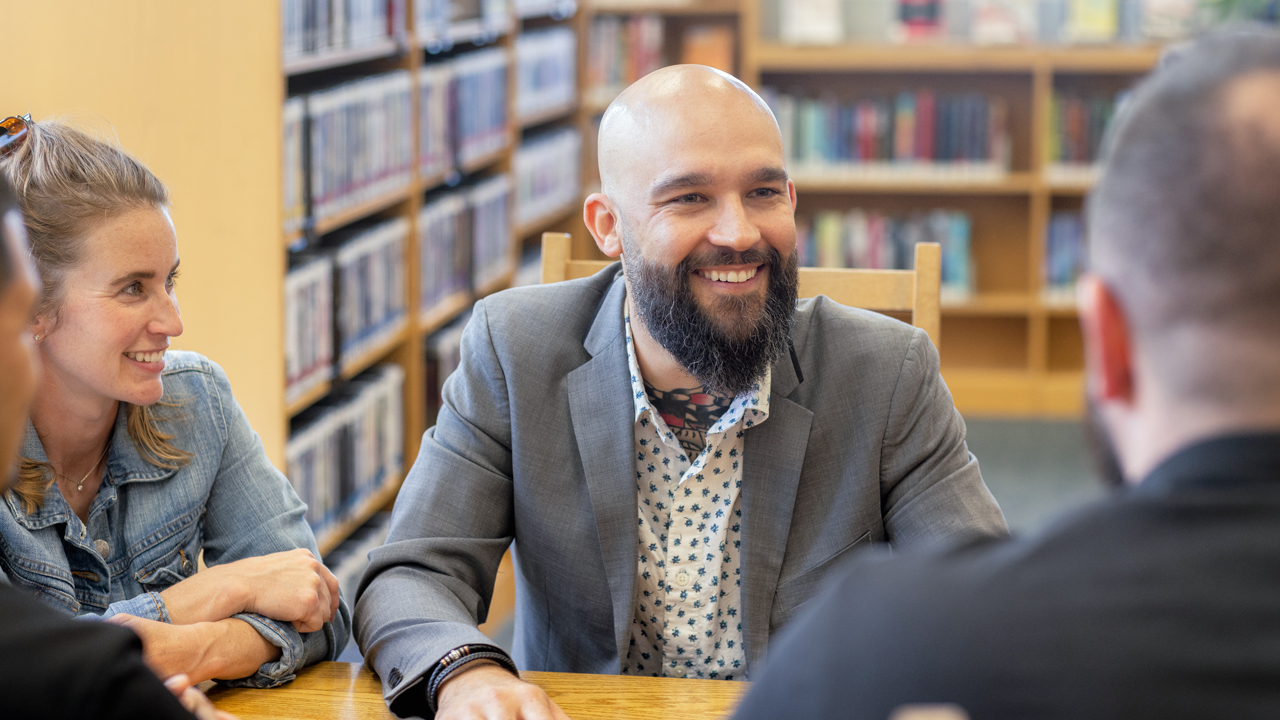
{"type": "Point", "coordinates": [290, 586]}
{"type": "Point", "coordinates": [226, 649]}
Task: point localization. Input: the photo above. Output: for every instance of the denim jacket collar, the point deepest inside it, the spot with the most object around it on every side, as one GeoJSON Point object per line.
{"type": "Point", "coordinates": [124, 465]}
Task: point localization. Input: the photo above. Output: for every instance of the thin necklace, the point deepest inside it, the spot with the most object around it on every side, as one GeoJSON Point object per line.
{"type": "Point", "coordinates": [80, 485]}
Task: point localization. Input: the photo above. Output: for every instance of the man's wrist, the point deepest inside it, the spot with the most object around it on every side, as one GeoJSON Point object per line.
{"type": "Point", "coordinates": [461, 659]}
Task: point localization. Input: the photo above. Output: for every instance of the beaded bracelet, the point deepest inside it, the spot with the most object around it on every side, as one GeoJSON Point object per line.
{"type": "Point", "coordinates": [458, 657]}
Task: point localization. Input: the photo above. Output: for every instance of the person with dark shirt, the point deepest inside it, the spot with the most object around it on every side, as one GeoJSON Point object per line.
{"type": "Point", "coordinates": [1161, 600]}
{"type": "Point", "coordinates": [52, 666]}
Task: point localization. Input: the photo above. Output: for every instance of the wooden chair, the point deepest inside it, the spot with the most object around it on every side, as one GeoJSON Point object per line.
{"type": "Point", "coordinates": [914, 291]}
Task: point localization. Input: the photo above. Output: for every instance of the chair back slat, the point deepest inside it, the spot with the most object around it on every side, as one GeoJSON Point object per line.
{"type": "Point", "coordinates": [915, 291]}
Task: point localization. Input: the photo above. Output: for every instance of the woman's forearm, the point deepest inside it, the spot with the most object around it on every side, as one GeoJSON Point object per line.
{"type": "Point", "coordinates": [208, 596]}
{"type": "Point", "coordinates": [234, 649]}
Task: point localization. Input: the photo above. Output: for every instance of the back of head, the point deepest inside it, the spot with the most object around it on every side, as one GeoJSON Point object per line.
{"type": "Point", "coordinates": [1184, 224]}
{"type": "Point", "coordinates": [67, 182]}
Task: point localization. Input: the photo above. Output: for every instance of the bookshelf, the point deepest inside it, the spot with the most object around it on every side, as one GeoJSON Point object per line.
{"type": "Point", "coordinates": [1011, 349]}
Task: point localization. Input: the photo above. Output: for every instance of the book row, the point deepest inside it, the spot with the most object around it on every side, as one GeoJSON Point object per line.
{"type": "Point", "coordinates": [344, 298]}
{"type": "Point", "coordinates": [865, 239]}
{"type": "Point", "coordinates": [352, 143]}
{"type": "Point", "coordinates": [348, 144]}
{"type": "Point", "coordinates": [464, 240]}
{"type": "Point", "coordinates": [624, 48]}
{"type": "Point", "coordinates": [920, 129]}
{"type": "Point", "coordinates": [1064, 257]}
{"type": "Point", "coordinates": [548, 173]}
{"type": "Point", "coordinates": [440, 24]}
{"type": "Point", "coordinates": [348, 445]}
{"type": "Point", "coordinates": [546, 72]}
{"type": "Point", "coordinates": [1076, 126]}
{"type": "Point", "coordinates": [621, 50]}
{"type": "Point", "coordinates": [319, 27]}
{"type": "Point", "coordinates": [984, 22]}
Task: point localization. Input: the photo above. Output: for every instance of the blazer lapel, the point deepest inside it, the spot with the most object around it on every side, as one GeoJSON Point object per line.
{"type": "Point", "coordinates": [773, 453]}
{"type": "Point", "coordinates": [603, 413]}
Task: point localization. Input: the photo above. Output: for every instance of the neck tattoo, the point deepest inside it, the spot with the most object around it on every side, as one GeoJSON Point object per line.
{"type": "Point", "coordinates": [689, 412]}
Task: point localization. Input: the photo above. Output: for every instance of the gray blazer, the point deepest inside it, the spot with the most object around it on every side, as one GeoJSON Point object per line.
{"type": "Point", "coordinates": [534, 443]}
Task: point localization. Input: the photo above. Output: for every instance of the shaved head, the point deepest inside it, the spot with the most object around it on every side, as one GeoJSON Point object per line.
{"type": "Point", "coordinates": [666, 110]}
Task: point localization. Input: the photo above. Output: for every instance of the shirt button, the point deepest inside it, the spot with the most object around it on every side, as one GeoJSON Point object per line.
{"type": "Point", "coordinates": [102, 547]}
{"type": "Point", "coordinates": [682, 578]}
{"type": "Point", "coordinates": [678, 672]}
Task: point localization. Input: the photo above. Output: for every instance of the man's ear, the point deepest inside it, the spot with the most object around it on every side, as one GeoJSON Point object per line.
{"type": "Point", "coordinates": [1108, 341]}
{"type": "Point", "coordinates": [601, 220]}
{"type": "Point", "coordinates": [791, 191]}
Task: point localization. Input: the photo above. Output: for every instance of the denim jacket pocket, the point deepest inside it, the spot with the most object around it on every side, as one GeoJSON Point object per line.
{"type": "Point", "coordinates": [54, 585]}
{"type": "Point", "coordinates": [171, 559]}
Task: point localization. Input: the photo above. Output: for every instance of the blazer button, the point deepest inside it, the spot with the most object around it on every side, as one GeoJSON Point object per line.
{"type": "Point", "coordinates": [103, 548]}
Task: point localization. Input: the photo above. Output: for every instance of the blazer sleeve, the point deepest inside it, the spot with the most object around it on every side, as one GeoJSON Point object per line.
{"type": "Point", "coordinates": [430, 585]}
{"type": "Point", "coordinates": [252, 511]}
{"type": "Point", "coordinates": [930, 485]}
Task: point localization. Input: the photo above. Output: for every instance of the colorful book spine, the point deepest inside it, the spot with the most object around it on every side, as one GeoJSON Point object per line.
{"type": "Point", "coordinates": [435, 121]}
{"type": "Point", "coordinates": [369, 274]}
{"type": "Point", "coordinates": [1077, 124]}
{"type": "Point", "coordinates": [308, 325]}
{"type": "Point", "coordinates": [548, 173]}
{"type": "Point", "coordinates": [912, 133]}
{"type": "Point", "coordinates": [347, 446]}
{"type": "Point", "coordinates": [866, 239]}
{"type": "Point", "coordinates": [1064, 257]}
{"type": "Point", "coordinates": [546, 72]}
{"type": "Point", "coordinates": [480, 104]}
{"type": "Point", "coordinates": [492, 256]}
{"type": "Point", "coordinates": [361, 141]}
{"type": "Point", "coordinates": [444, 249]}
{"type": "Point", "coordinates": [620, 50]}
{"type": "Point", "coordinates": [319, 27]}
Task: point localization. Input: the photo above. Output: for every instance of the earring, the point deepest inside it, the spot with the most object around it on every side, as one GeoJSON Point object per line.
{"type": "Point", "coordinates": [36, 338]}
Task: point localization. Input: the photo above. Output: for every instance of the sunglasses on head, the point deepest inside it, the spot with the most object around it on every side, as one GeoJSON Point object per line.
{"type": "Point", "coordinates": [13, 130]}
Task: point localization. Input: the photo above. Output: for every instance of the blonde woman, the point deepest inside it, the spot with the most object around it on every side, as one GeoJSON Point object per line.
{"type": "Point", "coordinates": [137, 458]}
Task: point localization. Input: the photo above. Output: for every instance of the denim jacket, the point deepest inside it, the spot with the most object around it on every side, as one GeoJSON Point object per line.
{"type": "Point", "coordinates": [147, 525]}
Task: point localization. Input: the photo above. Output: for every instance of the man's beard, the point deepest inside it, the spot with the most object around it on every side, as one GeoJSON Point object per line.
{"type": "Point", "coordinates": [729, 346]}
{"type": "Point", "coordinates": [1105, 459]}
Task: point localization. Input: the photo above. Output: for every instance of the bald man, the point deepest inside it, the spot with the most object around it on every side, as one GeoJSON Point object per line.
{"type": "Point", "coordinates": [680, 451]}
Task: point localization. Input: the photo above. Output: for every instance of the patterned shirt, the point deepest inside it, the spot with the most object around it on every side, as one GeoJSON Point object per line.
{"type": "Point", "coordinates": [688, 621]}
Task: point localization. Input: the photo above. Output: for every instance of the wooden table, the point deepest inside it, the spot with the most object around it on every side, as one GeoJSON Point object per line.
{"type": "Point", "coordinates": [350, 692]}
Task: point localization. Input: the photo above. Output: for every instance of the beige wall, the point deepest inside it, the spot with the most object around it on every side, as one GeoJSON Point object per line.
{"type": "Point", "coordinates": [194, 90]}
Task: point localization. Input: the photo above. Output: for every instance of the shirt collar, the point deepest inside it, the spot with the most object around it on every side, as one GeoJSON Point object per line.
{"type": "Point", "coordinates": [757, 398]}
{"type": "Point", "coordinates": [1240, 460]}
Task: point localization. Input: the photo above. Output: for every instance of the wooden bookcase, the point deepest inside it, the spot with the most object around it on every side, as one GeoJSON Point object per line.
{"type": "Point", "coordinates": [1006, 351]}
{"type": "Point", "coordinates": [407, 349]}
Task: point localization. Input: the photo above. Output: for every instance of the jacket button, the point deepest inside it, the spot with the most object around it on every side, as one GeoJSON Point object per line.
{"type": "Point", "coordinates": [186, 566]}
{"type": "Point", "coordinates": [395, 676]}
{"type": "Point", "coordinates": [103, 548]}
